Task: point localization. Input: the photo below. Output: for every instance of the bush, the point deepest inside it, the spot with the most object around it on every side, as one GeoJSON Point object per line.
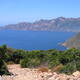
{"type": "Point", "coordinates": [3, 68]}
{"type": "Point", "coordinates": [30, 63]}
{"type": "Point", "coordinates": [66, 61]}
{"type": "Point", "coordinates": [69, 68]}
{"type": "Point", "coordinates": [43, 69]}
{"type": "Point", "coordinates": [53, 64]}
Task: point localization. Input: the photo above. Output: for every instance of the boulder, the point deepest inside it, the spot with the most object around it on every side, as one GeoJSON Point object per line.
{"type": "Point", "coordinates": [1, 78]}
{"type": "Point", "coordinates": [76, 74]}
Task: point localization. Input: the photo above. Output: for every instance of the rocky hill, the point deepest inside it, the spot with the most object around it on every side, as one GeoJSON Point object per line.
{"type": "Point", "coordinates": [73, 42]}
{"type": "Point", "coordinates": [58, 24]}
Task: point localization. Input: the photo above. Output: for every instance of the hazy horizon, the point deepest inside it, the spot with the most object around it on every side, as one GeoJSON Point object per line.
{"type": "Point", "coordinates": [15, 11]}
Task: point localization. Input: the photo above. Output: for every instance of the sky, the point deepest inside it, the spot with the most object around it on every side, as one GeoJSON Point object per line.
{"type": "Point", "coordinates": [15, 11]}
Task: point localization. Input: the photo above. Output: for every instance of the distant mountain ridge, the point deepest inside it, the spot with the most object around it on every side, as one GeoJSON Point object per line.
{"type": "Point", "coordinates": [58, 24]}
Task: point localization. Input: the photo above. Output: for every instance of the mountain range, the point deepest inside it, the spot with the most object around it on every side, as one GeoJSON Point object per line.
{"type": "Point", "coordinates": [57, 24]}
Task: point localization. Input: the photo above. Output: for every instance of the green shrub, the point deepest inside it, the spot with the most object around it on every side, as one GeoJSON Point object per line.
{"type": "Point", "coordinates": [30, 63]}
{"type": "Point", "coordinates": [69, 68]}
{"type": "Point", "coordinates": [53, 64]}
{"type": "Point", "coordinates": [3, 68]}
{"type": "Point", "coordinates": [66, 61]}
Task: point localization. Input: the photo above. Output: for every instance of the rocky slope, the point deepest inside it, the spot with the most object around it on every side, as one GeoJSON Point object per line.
{"type": "Point", "coordinates": [58, 24]}
{"type": "Point", "coordinates": [34, 74]}
{"type": "Point", "coordinates": [73, 42]}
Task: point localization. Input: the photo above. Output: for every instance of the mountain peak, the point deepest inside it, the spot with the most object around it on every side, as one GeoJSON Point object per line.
{"type": "Point", "coordinates": [61, 18]}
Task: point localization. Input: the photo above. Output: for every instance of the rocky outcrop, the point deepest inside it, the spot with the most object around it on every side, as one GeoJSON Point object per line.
{"type": "Point", "coordinates": [73, 42]}
{"type": "Point", "coordinates": [34, 74]}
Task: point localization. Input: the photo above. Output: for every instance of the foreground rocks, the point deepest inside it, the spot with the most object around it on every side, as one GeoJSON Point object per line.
{"type": "Point", "coordinates": [1, 78]}
{"type": "Point", "coordinates": [34, 74]}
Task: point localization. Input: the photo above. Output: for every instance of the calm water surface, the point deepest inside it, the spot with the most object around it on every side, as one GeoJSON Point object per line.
{"type": "Point", "coordinates": [34, 40]}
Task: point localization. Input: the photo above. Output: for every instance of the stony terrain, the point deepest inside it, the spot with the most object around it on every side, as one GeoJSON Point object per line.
{"type": "Point", "coordinates": [34, 74]}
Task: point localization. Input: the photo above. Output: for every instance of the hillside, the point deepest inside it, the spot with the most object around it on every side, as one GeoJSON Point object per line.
{"type": "Point", "coordinates": [34, 74]}
{"type": "Point", "coordinates": [58, 24]}
{"type": "Point", "coordinates": [67, 61]}
{"type": "Point", "coordinates": [73, 42]}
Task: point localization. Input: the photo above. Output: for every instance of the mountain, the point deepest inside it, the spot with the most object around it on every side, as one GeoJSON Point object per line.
{"type": "Point", "coordinates": [58, 24]}
{"type": "Point", "coordinates": [73, 42]}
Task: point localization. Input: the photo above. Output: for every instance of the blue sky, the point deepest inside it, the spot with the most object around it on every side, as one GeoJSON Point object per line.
{"type": "Point", "coordinates": [14, 11]}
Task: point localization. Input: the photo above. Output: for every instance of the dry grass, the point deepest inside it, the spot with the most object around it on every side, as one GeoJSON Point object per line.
{"type": "Point", "coordinates": [57, 68]}
{"type": "Point", "coordinates": [43, 69]}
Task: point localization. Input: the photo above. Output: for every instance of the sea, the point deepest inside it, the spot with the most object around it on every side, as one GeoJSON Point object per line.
{"type": "Point", "coordinates": [34, 40]}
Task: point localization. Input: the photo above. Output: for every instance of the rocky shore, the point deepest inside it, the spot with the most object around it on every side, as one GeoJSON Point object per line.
{"type": "Point", "coordinates": [34, 74]}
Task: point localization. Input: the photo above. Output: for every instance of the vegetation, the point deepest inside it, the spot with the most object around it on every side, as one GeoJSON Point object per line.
{"type": "Point", "coordinates": [73, 42]}
{"type": "Point", "coordinates": [67, 61]}
{"type": "Point", "coordinates": [3, 66]}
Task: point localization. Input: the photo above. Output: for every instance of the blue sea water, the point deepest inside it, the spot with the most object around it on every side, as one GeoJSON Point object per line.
{"type": "Point", "coordinates": [34, 40]}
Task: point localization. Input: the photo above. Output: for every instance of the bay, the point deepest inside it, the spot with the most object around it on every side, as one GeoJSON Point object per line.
{"type": "Point", "coordinates": [34, 40]}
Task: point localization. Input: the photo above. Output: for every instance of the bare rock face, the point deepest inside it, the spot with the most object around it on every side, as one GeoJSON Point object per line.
{"type": "Point", "coordinates": [76, 74]}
